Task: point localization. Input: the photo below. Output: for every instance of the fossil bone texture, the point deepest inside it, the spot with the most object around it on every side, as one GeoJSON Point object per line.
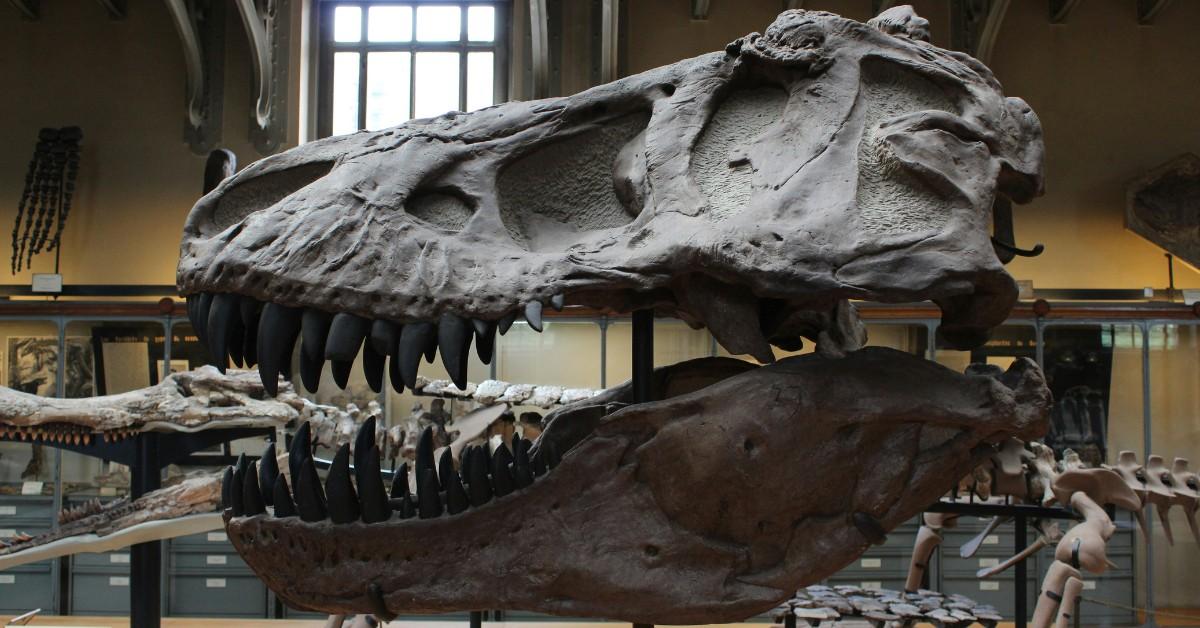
{"type": "Point", "coordinates": [185, 402]}
{"type": "Point", "coordinates": [700, 507]}
{"type": "Point", "coordinates": [752, 191]}
{"type": "Point", "coordinates": [186, 507]}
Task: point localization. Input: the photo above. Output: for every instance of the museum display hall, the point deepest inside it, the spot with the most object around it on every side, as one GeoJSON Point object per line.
{"type": "Point", "coordinates": [621, 312]}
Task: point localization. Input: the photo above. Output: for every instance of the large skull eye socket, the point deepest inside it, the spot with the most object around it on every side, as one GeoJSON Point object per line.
{"type": "Point", "coordinates": [443, 209]}
{"type": "Point", "coordinates": [262, 192]}
{"type": "Point", "coordinates": [567, 187]}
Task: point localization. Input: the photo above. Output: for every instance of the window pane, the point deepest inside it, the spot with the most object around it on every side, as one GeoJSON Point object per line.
{"type": "Point", "coordinates": [387, 89]}
{"type": "Point", "coordinates": [437, 82]}
{"type": "Point", "coordinates": [347, 24]}
{"type": "Point", "coordinates": [479, 80]}
{"type": "Point", "coordinates": [389, 24]}
{"type": "Point", "coordinates": [345, 92]}
{"type": "Point", "coordinates": [481, 23]}
{"type": "Point", "coordinates": [439, 24]}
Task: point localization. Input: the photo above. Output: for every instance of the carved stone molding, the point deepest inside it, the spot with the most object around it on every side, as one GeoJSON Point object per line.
{"type": "Point", "coordinates": [30, 9]}
{"type": "Point", "coordinates": [700, 9]}
{"type": "Point", "coordinates": [201, 28]}
{"type": "Point", "coordinates": [1061, 9]}
{"type": "Point", "coordinates": [267, 24]}
{"type": "Point", "coordinates": [975, 25]}
{"type": "Point", "coordinates": [1148, 10]}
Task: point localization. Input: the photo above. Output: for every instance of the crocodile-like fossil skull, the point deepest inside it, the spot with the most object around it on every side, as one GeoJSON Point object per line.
{"type": "Point", "coordinates": [751, 190]}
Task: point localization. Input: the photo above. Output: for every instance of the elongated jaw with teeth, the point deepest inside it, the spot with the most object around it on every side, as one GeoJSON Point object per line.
{"type": "Point", "coordinates": [739, 485]}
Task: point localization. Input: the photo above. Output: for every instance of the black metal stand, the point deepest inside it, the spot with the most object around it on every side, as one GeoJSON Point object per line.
{"type": "Point", "coordinates": [147, 454]}
{"type": "Point", "coordinates": [1021, 514]}
{"type": "Point", "coordinates": [643, 367]}
{"type": "Point", "coordinates": [476, 619]}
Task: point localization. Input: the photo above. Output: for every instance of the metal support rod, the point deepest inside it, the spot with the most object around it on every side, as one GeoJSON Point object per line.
{"type": "Point", "coordinates": [145, 560]}
{"type": "Point", "coordinates": [476, 619]}
{"type": "Point", "coordinates": [1019, 576]}
{"type": "Point", "coordinates": [643, 356]}
{"type": "Point", "coordinates": [1147, 414]}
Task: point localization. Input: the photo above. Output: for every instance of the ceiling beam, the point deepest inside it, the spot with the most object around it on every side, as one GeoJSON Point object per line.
{"type": "Point", "coordinates": [975, 26]}
{"type": "Point", "coordinates": [1061, 9]}
{"type": "Point", "coordinates": [30, 9]}
{"type": "Point", "coordinates": [114, 8]}
{"type": "Point", "coordinates": [267, 27]}
{"type": "Point", "coordinates": [1148, 10]}
{"type": "Point", "coordinates": [700, 9]}
{"type": "Point", "coordinates": [202, 33]}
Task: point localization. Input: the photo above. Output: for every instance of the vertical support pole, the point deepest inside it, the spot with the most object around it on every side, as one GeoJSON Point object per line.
{"type": "Point", "coordinates": [643, 367]}
{"type": "Point", "coordinates": [1147, 413]}
{"type": "Point", "coordinates": [145, 561]}
{"type": "Point", "coordinates": [1020, 578]}
{"type": "Point", "coordinates": [789, 621]}
{"type": "Point", "coordinates": [603, 323]}
{"type": "Point", "coordinates": [643, 356]}
{"type": "Point", "coordinates": [476, 619]}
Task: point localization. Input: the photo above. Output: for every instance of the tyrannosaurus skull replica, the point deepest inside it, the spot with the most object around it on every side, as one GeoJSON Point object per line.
{"type": "Point", "coordinates": [754, 191]}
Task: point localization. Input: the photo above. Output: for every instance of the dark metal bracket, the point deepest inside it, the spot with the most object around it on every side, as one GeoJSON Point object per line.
{"type": "Point", "coordinates": [30, 9]}
{"type": "Point", "coordinates": [116, 9]}
{"type": "Point", "coordinates": [975, 25]}
{"type": "Point", "coordinates": [1148, 10]}
{"type": "Point", "coordinates": [201, 28]}
{"type": "Point", "coordinates": [267, 24]}
{"type": "Point", "coordinates": [1060, 10]}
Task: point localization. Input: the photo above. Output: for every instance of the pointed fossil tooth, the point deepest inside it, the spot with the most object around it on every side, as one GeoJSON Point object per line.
{"type": "Point", "coordinates": [339, 492]}
{"type": "Point", "coordinates": [223, 318]}
{"type": "Point", "coordinates": [284, 506]}
{"type": "Point", "coordinates": [456, 495]}
{"type": "Point", "coordinates": [370, 488]}
{"type": "Point", "coordinates": [408, 507]}
{"type": "Point", "coordinates": [341, 372]}
{"type": "Point", "coordinates": [310, 369]}
{"type": "Point", "coordinates": [384, 336]}
{"type": "Point", "coordinates": [429, 502]}
{"type": "Point", "coordinates": [506, 322]}
{"type": "Point", "coordinates": [252, 498]}
{"type": "Point", "coordinates": [278, 328]}
{"type": "Point", "coordinates": [454, 343]}
{"type": "Point", "coordinates": [445, 467]}
{"type": "Point", "coordinates": [268, 469]}
{"type": "Point", "coordinates": [431, 345]}
{"type": "Point", "coordinates": [235, 487]}
{"type": "Point", "coordinates": [502, 480]}
{"type": "Point", "coordinates": [227, 489]}
{"type": "Point", "coordinates": [364, 440]}
{"type": "Point", "coordinates": [193, 307]}
{"type": "Point", "coordinates": [485, 340]}
{"type": "Point", "coordinates": [425, 452]}
{"type": "Point", "coordinates": [310, 499]}
{"type": "Point", "coordinates": [552, 456]}
{"type": "Point", "coordinates": [558, 301]}
{"type": "Point", "coordinates": [399, 482]}
{"type": "Point", "coordinates": [464, 463]}
{"type": "Point", "coordinates": [372, 364]}
{"type": "Point", "coordinates": [314, 325]}
{"type": "Point", "coordinates": [346, 335]}
{"type": "Point", "coordinates": [200, 325]}
{"type": "Point", "coordinates": [250, 309]}
{"type": "Point", "coordinates": [394, 375]}
{"type": "Point", "coordinates": [479, 489]}
{"type": "Point", "coordinates": [301, 448]}
{"type": "Point", "coordinates": [533, 315]}
{"type": "Point", "coordinates": [522, 472]}
{"type": "Point", "coordinates": [413, 339]}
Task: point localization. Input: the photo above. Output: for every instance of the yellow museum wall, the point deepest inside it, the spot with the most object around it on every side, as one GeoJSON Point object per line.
{"type": "Point", "coordinates": [122, 81]}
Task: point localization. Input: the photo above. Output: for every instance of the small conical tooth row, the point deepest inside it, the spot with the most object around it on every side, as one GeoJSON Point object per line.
{"type": "Point", "coordinates": [75, 513]}
{"type": "Point", "coordinates": [359, 494]}
{"type": "Point", "coordinates": [63, 433]}
{"type": "Point", "coordinates": [248, 332]}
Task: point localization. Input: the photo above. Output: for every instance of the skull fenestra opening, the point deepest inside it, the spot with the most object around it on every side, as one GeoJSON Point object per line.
{"type": "Point", "coordinates": [755, 191]}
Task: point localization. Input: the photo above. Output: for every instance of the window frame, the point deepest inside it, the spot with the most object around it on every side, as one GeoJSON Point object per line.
{"type": "Point", "coordinates": [499, 46]}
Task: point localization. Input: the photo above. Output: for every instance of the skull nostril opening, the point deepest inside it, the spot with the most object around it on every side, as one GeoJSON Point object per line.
{"type": "Point", "coordinates": [651, 551]}
{"type": "Point", "coordinates": [748, 445]}
{"type": "Point", "coordinates": [667, 89]}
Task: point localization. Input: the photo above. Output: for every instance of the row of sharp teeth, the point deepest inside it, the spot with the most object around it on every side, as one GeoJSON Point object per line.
{"type": "Point", "coordinates": [441, 488]}
{"type": "Point", "coordinates": [90, 507]}
{"type": "Point", "coordinates": [247, 331]}
{"type": "Point", "coordinates": [65, 434]}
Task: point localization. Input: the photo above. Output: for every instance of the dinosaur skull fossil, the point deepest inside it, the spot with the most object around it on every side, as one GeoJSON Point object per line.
{"type": "Point", "coordinates": [753, 191]}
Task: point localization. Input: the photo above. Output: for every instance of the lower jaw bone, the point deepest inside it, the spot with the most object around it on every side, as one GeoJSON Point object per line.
{"type": "Point", "coordinates": [706, 507]}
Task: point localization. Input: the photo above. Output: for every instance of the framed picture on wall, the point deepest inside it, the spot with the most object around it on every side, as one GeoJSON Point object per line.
{"type": "Point", "coordinates": [33, 366]}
